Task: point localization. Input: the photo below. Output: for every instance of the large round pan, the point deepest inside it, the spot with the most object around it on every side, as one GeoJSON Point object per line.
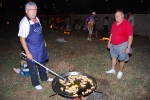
{"type": "Point", "coordinates": [56, 85]}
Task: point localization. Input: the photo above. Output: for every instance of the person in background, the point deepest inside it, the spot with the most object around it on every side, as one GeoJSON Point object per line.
{"type": "Point", "coordinates": [105, 26]}
{"type": "Point", "coordinates": [131, 18]}
{"type": "Point", "coordinates": [75, 20]}
{"type": "Point", "coordinates": [90, 23]}
{"type": "Point", "coordinates": [58, 22]}
{"type": "Point", "coordinates": [77, 25]}
{"type": "Point", "coordinates": [33, 43]}
{"type": "Point", "coordinates": [95, 30]}
{"type": "Point", "coordinates": [120, 41]}
{"type": "Point", "coordinates": [127, 16]}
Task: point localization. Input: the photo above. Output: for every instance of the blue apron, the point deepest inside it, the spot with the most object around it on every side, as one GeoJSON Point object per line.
{"type": "Point", "coordinates": [35, 43]}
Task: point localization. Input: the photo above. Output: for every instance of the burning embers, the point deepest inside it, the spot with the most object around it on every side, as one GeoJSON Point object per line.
{"type": "Point", "coordinates": [104, 39]}
{"type": "Point", "coordinates": [66, 32]}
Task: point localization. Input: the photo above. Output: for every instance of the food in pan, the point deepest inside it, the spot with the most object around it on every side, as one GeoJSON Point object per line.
{"type": "Point", "coordinates": [83, 86]}
{"type": "Point", "coordinates": [75, 95]}
{"type": "Point", "coordinates": [69, 83]}
{"type": "Point", "coordinates": [61, 81]}
{"type": "Point", "coordinates": [92, 87]}
{"type": "Point", "coordinates": [87, 91]}
{"type": "Point", "coordinates": [72, 89]}
{"type": "Point", "coordinates": [77, 82]}
{"type": "Point", "coordinates": [83, 93]}
{"type": "Point", "coordinates": [62, 88]}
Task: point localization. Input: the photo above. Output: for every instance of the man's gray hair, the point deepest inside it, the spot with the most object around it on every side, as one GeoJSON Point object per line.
{"type": "Point", "coordinates": [30, 4]}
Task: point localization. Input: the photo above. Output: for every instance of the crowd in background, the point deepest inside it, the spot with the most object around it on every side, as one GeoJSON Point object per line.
{"type": "Point", "coordinates": [61, 21]}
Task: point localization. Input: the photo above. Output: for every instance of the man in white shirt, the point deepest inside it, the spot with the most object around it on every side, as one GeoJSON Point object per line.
{"type": "Point", "coordinates": [33, 43]}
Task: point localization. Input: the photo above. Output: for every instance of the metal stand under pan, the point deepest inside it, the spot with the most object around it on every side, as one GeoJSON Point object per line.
{"type": "Point", "coordinates": [95, 95]}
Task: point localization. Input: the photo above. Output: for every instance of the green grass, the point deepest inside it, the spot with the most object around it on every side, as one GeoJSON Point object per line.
{"type": "Point", "coordinates": [79, 55]}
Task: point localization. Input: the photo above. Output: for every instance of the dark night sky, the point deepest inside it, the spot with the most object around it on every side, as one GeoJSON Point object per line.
{"type": "Point", "coordinates": [77, 6]}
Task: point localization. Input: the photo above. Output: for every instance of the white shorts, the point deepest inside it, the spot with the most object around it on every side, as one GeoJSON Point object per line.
{"type": "Point", "coordinates": [90, 31]}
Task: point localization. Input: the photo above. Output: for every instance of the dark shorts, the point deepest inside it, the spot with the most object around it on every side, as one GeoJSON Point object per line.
{"type": "Point", "coordinates": [94, 29]}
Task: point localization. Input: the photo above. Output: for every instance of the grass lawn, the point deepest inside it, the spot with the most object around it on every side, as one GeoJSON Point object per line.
{"type": "Point", "coordinates": [76, 54]}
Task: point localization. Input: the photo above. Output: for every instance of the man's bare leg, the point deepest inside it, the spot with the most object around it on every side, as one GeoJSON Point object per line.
{"type": "Point", "coordinates": [90, 36]}
{"type": "Point", "coordinates": [122, 63]}
{"type": "Point", "coordinates": [113, 63]}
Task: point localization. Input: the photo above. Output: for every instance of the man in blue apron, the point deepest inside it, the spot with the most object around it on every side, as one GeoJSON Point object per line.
{"type": "Point", "coordinates": [32, 41]}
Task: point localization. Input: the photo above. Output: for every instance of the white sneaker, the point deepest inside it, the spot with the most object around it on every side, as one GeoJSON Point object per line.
{"type": "Point", "coordinates": [111, 71]}
{"type": "Point", "coordinates": [50, 79]}
{"type": "Point", "coordinates": [88, 39]}
{"type": "Point", "coordinates": [38, 87]}
{"type": "Point", "coordinates": [119, 75]}
{"type": "Point", "coordinates": [16, 70]}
